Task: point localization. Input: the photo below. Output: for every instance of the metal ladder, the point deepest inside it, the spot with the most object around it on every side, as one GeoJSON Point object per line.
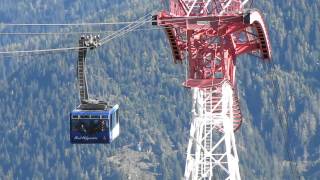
{"type": "Point", "coordinates": [85, 42]}
{"type": "Point", "coordinates": [83, 90]}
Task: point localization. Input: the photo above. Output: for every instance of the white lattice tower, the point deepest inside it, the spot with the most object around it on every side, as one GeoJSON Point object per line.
{"type": "Point", "coordinates": [212, 152]}
{"type": "Point", "coordinates": [213, 33]}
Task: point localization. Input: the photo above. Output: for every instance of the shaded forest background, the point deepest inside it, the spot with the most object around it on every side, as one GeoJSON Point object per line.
{"type": "Point", "coordinates": [280, 100]}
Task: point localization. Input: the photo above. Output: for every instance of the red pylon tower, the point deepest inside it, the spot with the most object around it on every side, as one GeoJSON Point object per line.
{"type": "Point", "coordinates": [208, 35]}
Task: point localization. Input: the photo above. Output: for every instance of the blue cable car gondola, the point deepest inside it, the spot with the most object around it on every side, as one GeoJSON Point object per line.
{"type": "Point", "coordinates": [94, 126]}
{"type": "Point", "coordinates": [93, 121]}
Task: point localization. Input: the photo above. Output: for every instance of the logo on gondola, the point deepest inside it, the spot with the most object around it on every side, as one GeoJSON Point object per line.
{"type": "Point", "coordinates": [86, 138]}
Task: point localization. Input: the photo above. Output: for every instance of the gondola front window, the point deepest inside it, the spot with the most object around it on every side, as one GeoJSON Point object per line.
{"type": "Point", "coordinates": [88, 126]}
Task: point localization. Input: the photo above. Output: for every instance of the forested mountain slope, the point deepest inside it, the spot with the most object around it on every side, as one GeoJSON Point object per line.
{"type": "Point", "coordinates": [280, 100]}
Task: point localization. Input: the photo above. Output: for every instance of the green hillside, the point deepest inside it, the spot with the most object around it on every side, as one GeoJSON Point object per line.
{"type": "Point", "coordinates": [280, 100]}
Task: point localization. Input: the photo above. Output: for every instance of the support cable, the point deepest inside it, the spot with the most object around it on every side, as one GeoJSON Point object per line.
{"type": "Point", "coordinates": [109, 38]}
{"type": "Point", "coordinates": [116, 34]}
{"type": "Point", "coordinates": [32, 54]}
{"type": "Point", "coordinates": [69, 24]}
{"type": "Point", "coordinates": [126, 28]}
{"type": "Point", "coordinates": [107, 23]}
{"type": "Point", "coordinates": [39, 50]}
{"type": "Point", "coordinates": [120, 33]}
{"type": "Point", "coordinates": [74, 33]}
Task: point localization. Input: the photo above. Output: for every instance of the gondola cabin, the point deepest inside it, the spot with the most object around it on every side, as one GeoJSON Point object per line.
{"type": "Point", "coordinates": [94, 126]}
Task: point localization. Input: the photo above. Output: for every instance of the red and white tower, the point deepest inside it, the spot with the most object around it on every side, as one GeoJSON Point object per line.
{"type": "Point", "coordinates": [208, 35]}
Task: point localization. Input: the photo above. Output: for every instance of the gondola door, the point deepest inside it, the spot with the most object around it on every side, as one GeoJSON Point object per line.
{"type": "Point", "coordinates": [114, 123]}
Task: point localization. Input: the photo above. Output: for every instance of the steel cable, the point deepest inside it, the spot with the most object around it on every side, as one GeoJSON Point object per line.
{"type": "Point", "coordinates": [121, 32]}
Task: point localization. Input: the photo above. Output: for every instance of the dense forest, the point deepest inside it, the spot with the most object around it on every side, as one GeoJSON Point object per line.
{"type": "Point", "coordinates": [279, 138]}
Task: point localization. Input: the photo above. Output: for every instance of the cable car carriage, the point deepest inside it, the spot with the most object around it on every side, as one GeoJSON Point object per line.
{"type": "Point", "coordinates": [95, 125]}
{"type": "Point", "coordinates": [93, 121]}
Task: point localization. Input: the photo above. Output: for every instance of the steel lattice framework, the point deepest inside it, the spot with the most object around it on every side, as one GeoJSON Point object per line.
{"type": "Point", "coordinates": [211, 153]}
{"type": "Point", "coordinates": [209, 35]}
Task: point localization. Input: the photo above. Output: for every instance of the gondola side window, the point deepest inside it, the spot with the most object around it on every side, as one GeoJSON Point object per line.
{"type": "Point", "coordinates": [117, 116]}
{"type": "Point", "coordinates": [111, 123]}
{"type": "Point", "coordinates": [74, 125]}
